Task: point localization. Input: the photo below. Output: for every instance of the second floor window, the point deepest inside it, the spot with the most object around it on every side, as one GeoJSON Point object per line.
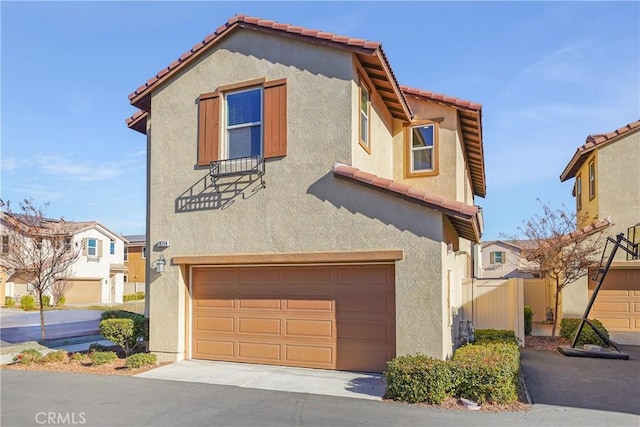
{"type": "Point", "coordinates": [144, 252]}
{"type": "Point", "coordinates": [423, 148]}
{"type": "Point", "coordinates": [364, 116]}
{"type": "Point", "coordinates": [244, 123]}
{"type": "Point", "coordinates": [592, 179]}
{"type": "Point", "coordinates": [112, 247]}
{"type": "Point", "coordinates": [497, 257]}
{"type": "Point", "coordinates": [92, 248]}
{"type": "Point", "coordinates": [126, 254]}
{"type": "Point", "coordinates": [5, 244]}
{"type": "Point", "coordinates": [579, 192]}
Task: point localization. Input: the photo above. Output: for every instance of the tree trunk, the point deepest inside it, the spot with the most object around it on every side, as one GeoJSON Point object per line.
{"type": "Point", "coordinates": [555, 312]}
{"type": "Point", "coordinates": [41, 316]}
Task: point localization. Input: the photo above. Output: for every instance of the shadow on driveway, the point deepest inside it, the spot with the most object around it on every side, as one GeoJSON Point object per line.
{"type": "Point", "coordinates": [581, 382]}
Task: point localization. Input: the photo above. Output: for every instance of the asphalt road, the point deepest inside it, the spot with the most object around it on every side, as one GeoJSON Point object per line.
{"type": "Point", "coordinates": [31, 398]}
{"type": "Point", "coordinates": [18, 326]}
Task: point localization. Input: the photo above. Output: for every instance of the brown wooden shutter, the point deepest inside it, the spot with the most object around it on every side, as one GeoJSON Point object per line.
{"type": "Point", "coordinates": [275, 118]}
{"type": "Point", "coordinates": [84, 246]}
{"type": "Point", "coordinates": [492, 258]}
{"type": "Point", "coordinates": [208, 128]}
{"type": "Point", "coordinates": [99, 248]}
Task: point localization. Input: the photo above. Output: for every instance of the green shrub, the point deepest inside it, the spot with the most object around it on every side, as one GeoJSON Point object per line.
{"type": "Point", "coordinates": [54, 356]}
{"type": "Point", "coordinates": [78, 357]}
{"type": "Point", "coordinates": [487, 372]}
{"type": "Point", "coordinates": [102, 357]}
{"type": "Point", "coordinates": [61, 301]}
{"type": "Point", "coordinates": [138, 319]}
{"type": "Point", "coordinates": [528, 320]}
{"type": "Point", "coordinates": [419, 378]}
{"type": "Point", "coordinates": [139, 360]}
{"type": "Point", "coordinates": [569, 327]}
{"type": "Point", "coordinates": [28, 302]}
{"type": "Point", "coordinates": [27, 357]}
{"type": "Point", "coordinates": [9, 302]}
{"type": "Point", "coordinates": [46, 300]}
{"type": "Point", "coordinates": [96, 346]}
{"type": "Point", "coordinates": [133, 297]}
{"type": "Point", "coordinates": [121, 332]}
{"type": "Point", "coordinates": [484, 336]}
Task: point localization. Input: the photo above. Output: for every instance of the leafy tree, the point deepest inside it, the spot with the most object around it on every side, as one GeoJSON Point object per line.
{"type": "Point", "coordinates": [559, 251]}
{"type": "Point", "coordinates": [40, 250]}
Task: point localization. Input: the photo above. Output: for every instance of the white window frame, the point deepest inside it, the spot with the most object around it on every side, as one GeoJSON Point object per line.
{"type": "Point", "coordinates": [143, 254]}
{"type": "Point", "coordinates": [425, 148]}
{"type": "Point", "coordinates": [592, 179]}
{"type": "Point", "coordinates": [112, 247]}
{"type": "Point", "coordinates": [89, 247]}
{"type": "Point", "coordinates": [224, 149]}
{"type": "Point", "coordinates": [579, 192]}
{"type": "Point", "coordinates": [126, 254]}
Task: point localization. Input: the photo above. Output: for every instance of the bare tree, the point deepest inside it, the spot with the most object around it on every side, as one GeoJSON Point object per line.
{"type": "Point", "coordinates": [559, 251]}
{"type": "Point", "coordinates": [40, 250]}
{"type": "Point", "coordinates": [60, 288]}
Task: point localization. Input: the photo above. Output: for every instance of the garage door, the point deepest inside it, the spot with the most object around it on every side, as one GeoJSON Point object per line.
{"type": "Point", "coordinates": [83, 291]}
{"type": "Point", "coordinates": [331, 317]}
{"type": "Point", "coordinates": [617, 305]}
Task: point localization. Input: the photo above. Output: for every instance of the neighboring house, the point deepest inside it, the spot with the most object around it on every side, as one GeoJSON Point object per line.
{"type": "Point", "coordinates": [97, 276]}
{"type": "Point", "coordinates": [607, 186]}
{"type": "Point", "coordinates": [503, 259]}
{"type": "Point", "coordinates": [320, 215]}
{"type": "Point", "coordinates": [135, 258]}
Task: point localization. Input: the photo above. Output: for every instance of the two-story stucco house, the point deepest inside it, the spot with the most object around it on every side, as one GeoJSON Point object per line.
{"type": "Point", "coordinates": [504, 259]}
{"type": "Point", "coordinates": [135, 259]}
{"type": "Point", "coordinates": [97, 276]}
{"type": "Point", "coordinates": [607, 186]}
{"type": "Point", "coordinates": [318, 213]}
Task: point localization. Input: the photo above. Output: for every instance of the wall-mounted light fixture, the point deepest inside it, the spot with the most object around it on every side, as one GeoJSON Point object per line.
{"type": "Point", "coordinates": [160, 263]}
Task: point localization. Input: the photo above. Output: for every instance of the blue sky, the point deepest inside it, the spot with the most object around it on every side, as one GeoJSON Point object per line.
{"type": "Point", "coordinates": [547, 74]}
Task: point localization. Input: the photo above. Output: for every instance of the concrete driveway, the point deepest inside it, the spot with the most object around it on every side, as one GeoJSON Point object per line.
{"type": "Point", "coordinates": [278, 378]}
{"type": "Point", "coordinates": [18, 326]}
{"type": "Point", "coordinates": [580, 382]}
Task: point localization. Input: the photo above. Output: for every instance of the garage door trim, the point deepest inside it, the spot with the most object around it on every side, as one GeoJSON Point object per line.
{"type": "Point", "coordinates": [234, 260]}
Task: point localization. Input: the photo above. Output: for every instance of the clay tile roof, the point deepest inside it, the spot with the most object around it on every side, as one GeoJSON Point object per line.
{"type": "Point", "coordinates": [463, 217]}
{"type": "Point", "coordinates": [450, 101]}
{"type": "Point", "coordinates": [591, 143]}
{"type": "Point", "coordinates": [398, 107]}
{"type": "Point", "coordinates": [138, 121]}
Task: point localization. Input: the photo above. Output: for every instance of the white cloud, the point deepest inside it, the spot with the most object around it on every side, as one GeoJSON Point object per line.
{"type": "Point", "coordinates": [10, 164]}
{"type": "Point", "coordinates": [79, 169]}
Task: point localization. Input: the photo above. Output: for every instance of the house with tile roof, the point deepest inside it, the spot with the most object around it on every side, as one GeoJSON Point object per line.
{"type": "Point", "coordinates": [505, 259]}
{"type": "Point", "coordinates": [606, 185]}
{"type": "Point", "coordinates": [135, 259]}
{"type": "Point", "coordinates": [97, 275]}
{"type": "Point", "coordinates": [304, 208]}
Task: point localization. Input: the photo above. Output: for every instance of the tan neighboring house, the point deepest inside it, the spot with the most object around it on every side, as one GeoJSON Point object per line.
{"type": "Point", "coordinates": [319, 214]}
{"type": "Point", "coordinates": [96, 277]}
{"type": "Point", "coordinates": [502, 259]}
{"type": "Point", "coordinates": [135, 258]}
{"type": "Point", "coordinates": [606, 175]}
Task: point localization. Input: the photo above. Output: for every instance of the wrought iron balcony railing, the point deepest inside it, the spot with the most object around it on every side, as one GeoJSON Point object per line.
{"type": "Point", "coordinates": [252, 165]}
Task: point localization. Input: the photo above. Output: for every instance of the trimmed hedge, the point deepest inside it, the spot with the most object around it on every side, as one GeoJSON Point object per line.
{"type": "Point", "coordinates": [61, 301]}
{"type": "Point", "coordinates": [528, 320]}
{"type": "Point", "coordinates": [484, 336]}
{"type": "Point", "coordinates": [569, 326]}
{"type": "Point", "coordinates": [121, 332]}
{"type": "Point", "coordinates": [139, 360]}
{"type": "Point", "coordinates": [133, 297]}
{"type": "Point", "coordinates": [419, 378]}
{"type": "Point", "coordinates": [488, 372]}
{"type": "Point", "coordinates": [9, 302]}
{"type": "Point", "coordinates": [46, 300]}
{"type": "Point", "coordinates": [28, 303]}
{"type": "Point", "coordinates": [102, 357]}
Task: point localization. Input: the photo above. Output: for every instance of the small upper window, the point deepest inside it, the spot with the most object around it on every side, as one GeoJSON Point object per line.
{"type": "Point", "coordinates": [364, 116]}
{"type": "Point", "coordinates": [92, 248]}
{"type": "Point", "coordinates": [579, 192]}
{"type": "Point", "coordinates": [126, 254]}
{"type": "Point", "coordinates": [144, 252]}
{"type": "Point", "coordinates": [423, 148]}
{"type": "Point", "coordinates": [112, 247]}
{"type": "Point", "coordinates": [5, 244]}
{"type": "Point", "coordinates": [592, 179]}
{"type": "Point", "coordinates": [244, 123]}
{"type": "Point", "coordinates": [497, 257]}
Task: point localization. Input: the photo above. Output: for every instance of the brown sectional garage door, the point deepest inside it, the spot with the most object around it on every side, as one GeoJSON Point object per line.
{"type": "Point", "coordinates": [617, 305]}
{"type": "Point", "coordinates": [83, 291]}
{"type": "Point", "coordinates": [331, 317]}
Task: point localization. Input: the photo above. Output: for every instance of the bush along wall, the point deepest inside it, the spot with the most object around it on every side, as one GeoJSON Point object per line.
{"type": "Point", "coordinates": [569, 326]}
{"type": "Point", "coordinates": [528, 320]}
{"type": "Point", "coordinates": [486, 371]}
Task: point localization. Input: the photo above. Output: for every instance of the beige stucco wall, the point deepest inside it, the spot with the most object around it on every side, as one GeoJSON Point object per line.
{"type": "Point", "coordinates": [619, 184]}
{"type": "Point", "coordinates": [445, 183]}
{"type": "Point", "coordinates": [303, 208]}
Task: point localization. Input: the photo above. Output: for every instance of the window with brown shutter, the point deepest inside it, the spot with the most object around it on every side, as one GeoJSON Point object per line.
{"type": "Point", "coordinates": [218, 126]}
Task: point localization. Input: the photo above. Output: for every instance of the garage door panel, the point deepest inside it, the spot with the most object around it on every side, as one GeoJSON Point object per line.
{"type": "Point", "coordinates": [214, 324]}
{"type": "Point", "coordinates": [299, 319]}
{"type": "Point", "coordinates": [207, 348]}
{"type": "Point", "coordinates": [310, 328]}
{"type": "Point", "coordinates": [620, 307]}
{"type": "Point", "coordinates": [84, 291]}
{"type": "Point", "coordinates": [260, 326]}
{"type": "Point", "coordinates": [300, 355]}
{"type": "Point", "coordinates": [257, 351]}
